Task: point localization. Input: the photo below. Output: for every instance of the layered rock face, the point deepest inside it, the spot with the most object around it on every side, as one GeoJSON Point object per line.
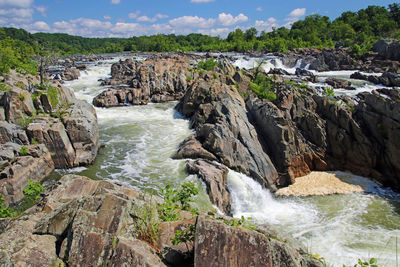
{"type": "Point", "coordinates": [218, 114]}
{"type": "Point", "coordinates": [388, 49]}
{"type": "Point", "coordinates": [157, 79]}
{"type": "Point", "coordinates": [97, 223]}
{"type": "Point", "coordinates": [65, 126]}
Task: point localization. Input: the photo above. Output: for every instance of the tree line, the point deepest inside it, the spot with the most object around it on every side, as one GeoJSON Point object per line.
{"type": "Point", "coordinates": [355, 30]}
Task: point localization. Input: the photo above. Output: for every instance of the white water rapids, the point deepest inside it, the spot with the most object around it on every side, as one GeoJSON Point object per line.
{"type": "Point", "coordinates": [140, 140]}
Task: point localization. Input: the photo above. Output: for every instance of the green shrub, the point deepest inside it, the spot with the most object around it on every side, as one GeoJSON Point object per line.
{"type": "Point", "coordinates": [208, 65]}
{"type": "Point", "coordinates": [32, 191]}
{"type": "Point", "coordinates": [371, 263]}
{"type": "Point", "coordinates": [176, 199]}
{"type": "Point", "coordinates": [189, 78]}
{"type": "Point", "coordinates": [34, 142]}
{"type": "Point", "coordinates": [4, 87]}
{"type": "Point", "coordinates": [328, 92]}
{"type": "Point", "coordinates": [5, 211]}
{"type": "Point", "coordinates": [261, 86]}
{"type": "Point", "coordinates": [21, 97]}
{"type": "Point", "coordinates": [53, 93]}
{"type": "Point", "coordinates": [184, 236]}
{"type": "Point", "coordinates": [23, 151]}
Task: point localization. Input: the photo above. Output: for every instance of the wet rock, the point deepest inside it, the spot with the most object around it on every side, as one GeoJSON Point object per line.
{"type": "Point", "coordinates": [70, 74]}
{"type": "Point", "coordinates": [338, 83]}
{"type": "Point", "coordinates": [83, 132]}
{"type": "Point", "coordinates": [191, 148]}
{"type": "Point", "coordinates": [217, 244]}
{"type": "Point", "coordinates": [307, 74]}
{"type": "Point", "coordinates": [215, 177]}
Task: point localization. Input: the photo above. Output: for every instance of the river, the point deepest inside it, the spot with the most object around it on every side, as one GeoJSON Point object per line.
{"type": "Point", "coordinates": [140, 140]}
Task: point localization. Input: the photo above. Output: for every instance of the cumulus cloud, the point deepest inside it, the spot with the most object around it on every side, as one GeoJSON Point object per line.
{"type": "Point", "coordinates": [115, 2]}
{"type": "Point", "coordinates": [267, 25]}
{"type": "Point", "coordinates": [192, 22]}
{"type": "Point", "coordinates": [298, 12]}
{"type": "Point", "coordinates": [215, 32]}
{"type": "Point", "coordinates": [134, 15]}
{"type": "Point", "coordinates": [107, 17]}
{"type": "Point", "coordinates": [201, 1]}
{"type": "Point", "coordinates": [228, 19]}
{"type": "Point", "coordinates": [153, 19]}
{"type": "Point", "coordinates": [16, 3]}
{"type": "Point", "coordinates": [259, 9]}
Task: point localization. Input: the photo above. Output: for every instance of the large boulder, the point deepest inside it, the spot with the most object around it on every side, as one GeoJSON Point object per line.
{"type": "Point", "coordinates": [388, 49]}
{"type": "Point", "coordinates": [70, 74]}
{"type": "Point", "coordinates": [217, 244]}
{"type": "Point", "coordinates": [36, 165]}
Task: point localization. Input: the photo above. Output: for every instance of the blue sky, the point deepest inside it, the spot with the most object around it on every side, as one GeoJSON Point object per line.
{"type": "Point", "coordinates": [125, 18]}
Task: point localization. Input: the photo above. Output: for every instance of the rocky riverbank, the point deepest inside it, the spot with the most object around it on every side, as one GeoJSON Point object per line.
{"type": "Point", "coordinates": [95, 223]}
{"type": "Point", "coordinates": [41, 128]}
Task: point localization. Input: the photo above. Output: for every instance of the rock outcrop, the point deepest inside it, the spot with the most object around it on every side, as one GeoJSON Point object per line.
{"type": "Point", "coordinates": [387, 78]}
{"type": "Point", "coordinates": [97, 223]}
{"type": "Point", "coordinates": [157, 79]}
{"type": "Point", "coordinates": [51, 116]}
{"type": "Point", "coordinates": [218, 115]}
{"type": "Point", "coordinates": [388, 49]}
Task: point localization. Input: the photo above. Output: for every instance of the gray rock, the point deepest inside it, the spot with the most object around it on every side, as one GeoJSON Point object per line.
{"type": "Point", "coordinates": [388, 49]}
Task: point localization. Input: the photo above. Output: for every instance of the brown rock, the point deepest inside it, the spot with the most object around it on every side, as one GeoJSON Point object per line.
{"type": "Point", "coordinates": [217, 244]}
{"type": "Point", "coordinates": [215, 176]}
{"type": "Point", "coordinates": [191, 148]}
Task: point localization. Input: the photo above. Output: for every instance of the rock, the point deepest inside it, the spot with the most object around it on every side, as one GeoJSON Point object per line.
{"type": "Point", "coordinates": [191, 148]}
{"type": "Point", "coordinates": [36, 165]}
{"type": "Point", "coordinates": [83, 132]}
{"type": "Point", "coordinates": [278, 71]}
{"type": "Point", "coordinates": [390, 79]}
{"type": "Point", "coordinates": [18, 105]}
{"type": "Point", "coordinates": [388, 49]}
{"type": "Point", "coordinates": [215, 177]}
{"type": "Point", "coordinates": [217, 244]}
{"type": "Point", "coordinates": [12, 133]}
{"type": "Point", "coordinates": [305, 73]}
{"type": "Point", "coordinates": [218, 114]}
{"type": "Point", "coordinates": [70, 74]}
{"type": "Point", "coordinates": [338, 83]}
{"type": "Point", "coordinates": [52, 133]}
{"type": "Point", "coordinates": [157, 79]}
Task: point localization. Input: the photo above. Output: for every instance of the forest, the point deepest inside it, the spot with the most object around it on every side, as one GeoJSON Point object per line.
{"type": "Point", "coordinates": [354, 30]}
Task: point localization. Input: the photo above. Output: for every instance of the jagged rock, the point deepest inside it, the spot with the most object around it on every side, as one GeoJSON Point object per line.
{"type": "Point", "coordinates": [307, 74]}
{"type": "Point", "coordinates": [70, 74]}
{"type": "Point", "coordinates": [387, 78]}
{"type": "Point", "coordinates": [12, 133]}
{"type": "Point", "coordinates": [51, 132]}
{"type": "Point", "coordinates": [36, 165]}
{"type": "Point", "coordinates": [388, 49]}
{"type": "Point", "coordinates": [18, 105]}
{"type": "Point", "coordinates": [191, 148]}
{"type": "Point", "coordinates": [218, 114]}
{"type": "Point", "coordinates": [338, 83]}
{"type": "Point", "coordinates": [83, 132]}
{"type": "Point", "coordinates": [215, 176]}
{"type": "Point", "coordinates": [157, 79]}
{"type": "Point", "coordinates": [217, 244]}
{"type": "Point", "coordinates": [278, 71]}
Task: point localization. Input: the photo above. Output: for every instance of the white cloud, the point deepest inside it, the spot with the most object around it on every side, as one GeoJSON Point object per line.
{"type": "Point", "coordinates": [259, 9]}
{"type": "Point", "coordinates": [40, 26]}
{"type": "Point", "coordinates": [298, 12]}
{"type": "Point", "coordinates": [215, 32]}
{"type": "Point", "coordinates": [228, 19]}
{"type": "Point", "coordinates": [192, 22]}
{"type": "Point", "coordinates": [16, 3]}
{"type": "Point", "coordinates": [153, 19]}
{"type": "Point", "coordinates": [115, 2]}
{"type": "Point", "coordinates": [201, 1]}
{"type": "Point", "coordinates": [107, 17]}
{"type": "Point", "coordinates": [42, 10]}
{"type": "Point", "coordinates": [266, 25]}
{"type": "Point", "coordinates": [134, 15]}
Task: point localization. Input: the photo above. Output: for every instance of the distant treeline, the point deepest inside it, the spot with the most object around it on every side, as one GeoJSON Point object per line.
{"type": "Point", "coordinates": [356, 30]}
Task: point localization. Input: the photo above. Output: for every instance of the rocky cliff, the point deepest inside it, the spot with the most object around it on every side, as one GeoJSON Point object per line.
{"type": "Point", "coordinates": [41, 128]}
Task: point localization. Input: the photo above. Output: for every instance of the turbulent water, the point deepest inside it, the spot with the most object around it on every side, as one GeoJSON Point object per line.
{"type": "Point", "coordinates": [140, 140]}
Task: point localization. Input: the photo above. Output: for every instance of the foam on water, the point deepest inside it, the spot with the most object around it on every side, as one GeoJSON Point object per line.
{"type": "Point", "coordinates": [341, 228]}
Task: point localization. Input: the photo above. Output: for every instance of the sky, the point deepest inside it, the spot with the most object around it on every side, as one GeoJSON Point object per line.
{"type": "Point", "coordinates": [126, 18]}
